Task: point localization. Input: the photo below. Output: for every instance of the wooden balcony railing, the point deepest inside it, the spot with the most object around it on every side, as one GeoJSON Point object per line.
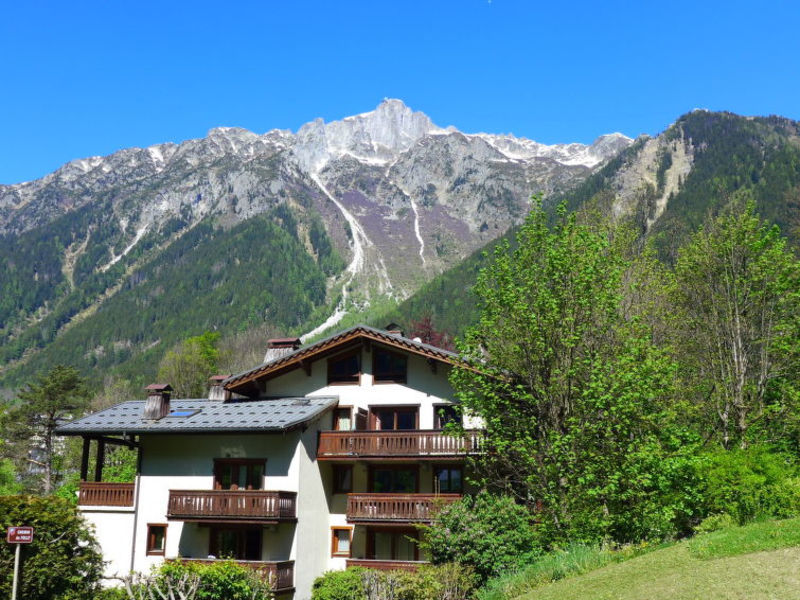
{"type": "Point", "coordinates": [281, 573]}
{"type": "Point", "coordinates": [399, 508]}
{"type": "Point", "coordinates": [386, 565]}
{"type": "Point", "coordinates": [101, 493]}
{"type": "Point", "coordinates": [231, 505]}
{"type": "Point", "coordinates": [417, 443]}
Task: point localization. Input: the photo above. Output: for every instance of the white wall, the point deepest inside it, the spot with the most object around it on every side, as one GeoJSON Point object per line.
{"type": "Point", "coordinates": [186, 462]}
{"type": "Point", "coordinates": [114, 532]}
{"type": "Point", "coordinates": [423, 386]}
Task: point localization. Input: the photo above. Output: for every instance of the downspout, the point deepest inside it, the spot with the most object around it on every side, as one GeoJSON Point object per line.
{"type": "Point", "coordinates": [136, 501]}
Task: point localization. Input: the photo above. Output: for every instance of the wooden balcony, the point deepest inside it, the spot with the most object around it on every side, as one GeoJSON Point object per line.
{"type": "Point", "coordinates": [396, 444]}
{"type": "Point", "coordinates": [101, 493]}
{"type": "Point", "coordinates": [386, 565]}
{"type": "Point", "coordinates": [238, 506]}
{"type": "Point", "coordinates": [281, 573]}
{"type": "Point", "coordinates": [395, 508]}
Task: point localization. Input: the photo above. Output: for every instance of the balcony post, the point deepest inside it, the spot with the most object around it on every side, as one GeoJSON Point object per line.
{"type": "Point", "coordinates": [101, 458]}
{"type": "Point", "coordinates": [85, 458]}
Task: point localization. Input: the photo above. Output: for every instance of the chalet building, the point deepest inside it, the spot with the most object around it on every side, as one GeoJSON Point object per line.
{"type": "Point", "coordinates": [322, 457]}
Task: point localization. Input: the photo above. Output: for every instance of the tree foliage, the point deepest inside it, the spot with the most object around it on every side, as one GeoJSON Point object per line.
{"type": "Point", "coordinates": [579, 402]}
{"type": "Point", "coordinates": [56, 396]}
{"type": "Point", "coordinates": [487, 533]}
{"type": "Point", "coordinates": [188, 366]}
{"type": "Point", "coordinates": [62, 563]}
{"type": "Point", "coordinates": [739, 288]}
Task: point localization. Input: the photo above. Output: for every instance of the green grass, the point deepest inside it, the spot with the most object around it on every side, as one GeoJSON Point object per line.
{"type": "Point", "coordinates": [760, 561]}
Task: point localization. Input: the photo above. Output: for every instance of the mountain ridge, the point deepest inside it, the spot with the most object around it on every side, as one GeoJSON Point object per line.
{"type": "Point", "coordinates": [379, 202]}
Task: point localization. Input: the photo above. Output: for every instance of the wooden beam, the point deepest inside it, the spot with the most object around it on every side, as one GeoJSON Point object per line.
{"type": "Point", "coordinates": [368, 345]}
{"type": "Point", "coordinates": [433, 365]}
{"type": "Point", "coordinates": [101, 458]}
{"type": "Point", "coordinates": [85, 457]}
{"type": "Point", "coordinates": [118, 441]}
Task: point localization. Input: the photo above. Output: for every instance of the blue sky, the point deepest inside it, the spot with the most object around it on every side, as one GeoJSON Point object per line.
{"type": "Point", "coordinates": [88, 78]}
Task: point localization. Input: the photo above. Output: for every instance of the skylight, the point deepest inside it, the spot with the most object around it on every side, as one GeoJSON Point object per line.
{"type": "Point", "coordinates": [177, 413]}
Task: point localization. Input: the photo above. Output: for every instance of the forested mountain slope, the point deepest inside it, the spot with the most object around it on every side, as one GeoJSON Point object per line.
{"type": "Point", "coordinates": [113, 259]}
{"type": "Point", "coordinates": [666, 186]}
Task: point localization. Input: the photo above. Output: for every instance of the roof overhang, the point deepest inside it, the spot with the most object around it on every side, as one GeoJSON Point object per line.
{"type": "Point", "coordinates": [247, 383]}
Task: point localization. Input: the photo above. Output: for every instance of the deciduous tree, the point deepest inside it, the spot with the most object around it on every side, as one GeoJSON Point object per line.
{"type": "Point", "coordinates": [577, 400]}
{"type": "Point", "coordinates": [739, 286]}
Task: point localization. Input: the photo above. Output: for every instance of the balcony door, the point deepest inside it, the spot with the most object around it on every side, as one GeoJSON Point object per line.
{"type": "Point", "coordinates": [240, 543]}
{"type": "Point", "coordinates": [392, 544]}
{"type": "Point", "coordinates": [394, 418]}
{"type": "Point", "coordinates": [389, 479]}
{"type": "Point", "coordinates": [239, 473]}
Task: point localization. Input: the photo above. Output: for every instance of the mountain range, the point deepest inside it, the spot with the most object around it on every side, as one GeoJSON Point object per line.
{"type": "Point", "coordinates": [109, 261]}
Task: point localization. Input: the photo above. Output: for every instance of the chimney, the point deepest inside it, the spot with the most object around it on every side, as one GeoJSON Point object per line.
{"type": "Point", "coordinates": [279, 347]}
{"type": "Point", "coordinates": [394, 329]}
{"type": "Point", "coordinates": [216, 392]}
{"type": "Point", "coordinates": [157, 405]}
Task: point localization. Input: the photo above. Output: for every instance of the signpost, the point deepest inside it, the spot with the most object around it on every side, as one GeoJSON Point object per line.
{"type": "Point", "coordinates": [18, 536]}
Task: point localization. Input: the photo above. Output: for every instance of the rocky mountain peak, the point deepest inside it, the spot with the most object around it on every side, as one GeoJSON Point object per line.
{"type": "Point", "coordinates": [373, 137]}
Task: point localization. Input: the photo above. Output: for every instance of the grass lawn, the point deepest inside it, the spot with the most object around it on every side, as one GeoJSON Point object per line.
{"type": "Point", "coordinates": [759, 561]}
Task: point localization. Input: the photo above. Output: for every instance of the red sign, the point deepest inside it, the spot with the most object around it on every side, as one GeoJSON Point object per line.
{"type": "Point", "coordinates": [19, 535]}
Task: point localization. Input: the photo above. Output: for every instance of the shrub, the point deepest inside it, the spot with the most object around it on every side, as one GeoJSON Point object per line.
{"type": "Point", "coordinates": [62, 563]}
{"type": "Point", "coordinates": [430, 582]}
{"type": "Point", "coordinates": [221, 580]}
{"type": "Point", "coordinates": [489, 533]}
{"type": "Point", "coordinates": [115, 593]}
{"type": "Point", "coordinates": [339, 585]}
{"type": "Point", "coordinates": [715, 523]}
{"type": "Point", "coordinates": [752, 483]}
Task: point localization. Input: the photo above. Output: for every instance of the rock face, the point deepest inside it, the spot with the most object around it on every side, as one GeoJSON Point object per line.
{"type": "Point", "coordinates": [400, 198]}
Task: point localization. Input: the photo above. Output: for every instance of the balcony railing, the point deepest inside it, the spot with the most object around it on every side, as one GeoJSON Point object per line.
{"type": "Point", "coordinates": [97, 493]}
{"type": "Point", "coordinates": [281, 573]}
{"type": "Point", "coordinates": [386, 565]}
{"type": "Point", "coordinates": [399, 508]}
{"type": "Point", "coordinates": [231, 505]}
{"type": "Point", "coordinates": [417, 443]}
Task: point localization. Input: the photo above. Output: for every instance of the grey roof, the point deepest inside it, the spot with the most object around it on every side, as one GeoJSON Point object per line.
{"type": "Point", "coordinates": [210, 417]}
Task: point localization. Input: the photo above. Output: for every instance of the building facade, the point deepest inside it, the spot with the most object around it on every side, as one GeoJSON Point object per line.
{"type": "Point", "coordinates": [322, 457]}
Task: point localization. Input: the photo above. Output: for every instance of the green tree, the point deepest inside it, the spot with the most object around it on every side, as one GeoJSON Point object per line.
{"type": "Point", "coordinates": [188, 366]}
{"type": "Point", "coordinates": [739, 287]}
{"type": "Point", "coordinates": [577, 400]}
{"type": "Point", "coordinates": [62, 563]}
{"type": "Point", "coordinates": [56, 396]}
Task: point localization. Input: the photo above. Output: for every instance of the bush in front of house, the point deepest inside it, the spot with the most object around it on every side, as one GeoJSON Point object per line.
{"type": "Point", "coordinates": [489, 533]}
{"type": "Point", "coordinates": [430, 582]}
{"type": "Point", "coordinates": [220, 580]}
{"type": "Point", "coordinates": [339, 585]}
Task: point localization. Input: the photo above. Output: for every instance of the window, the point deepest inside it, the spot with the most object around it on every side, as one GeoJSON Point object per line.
{"type": "Point", "coordinates": [392, 544]}
{"type": "Point", "coordinates": [394, 480]}
{"type": "Point", "coordinates": [345, 369]}
{"type": "Point", "coordinates": [239, 473]}
{"type": "Point", "coordinates": [341, 541]}
{"type": "Point", "coordinates": [242, 543]}
{"type": "Point", "coordinates": [342, 479]}
{"type": "Point", "coordinates": [389, 367]}
{"type": "Point", "coordinates": [394, 417]}
{"type": "Point", "coordinates": [444, 414]}
{"type": "Point", "coordinates": [156, 538]}
{"type": "Point", "coordinates": [342, 419]}
{"type": "Point", "coordinates": [448, 480]}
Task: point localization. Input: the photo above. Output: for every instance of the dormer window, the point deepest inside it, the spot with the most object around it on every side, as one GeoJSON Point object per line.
{"type": "Point", "coordinates": [389, 367]}
{"type": "Point", "coordinates": [345, 368]}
